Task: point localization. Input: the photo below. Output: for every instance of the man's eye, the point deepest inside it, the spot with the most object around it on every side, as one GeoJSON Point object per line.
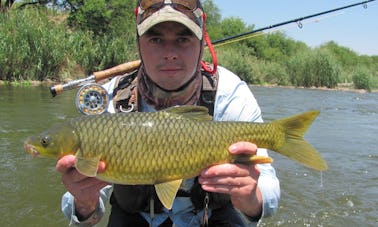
{"type": "Point", "coordinates": [156, 40]}
{"type": "Point", "coordinates": [183, 40]}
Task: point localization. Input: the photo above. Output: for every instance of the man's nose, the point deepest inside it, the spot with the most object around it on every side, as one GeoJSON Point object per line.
{"type": "Point", "coordinates": [170, 52]}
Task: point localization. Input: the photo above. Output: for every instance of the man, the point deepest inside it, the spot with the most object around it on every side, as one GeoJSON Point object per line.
{"type": "Point", "coordinates": [171, 38]}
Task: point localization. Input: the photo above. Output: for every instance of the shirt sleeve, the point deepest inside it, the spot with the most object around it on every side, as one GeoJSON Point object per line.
{"type": "Point", "coordinates": [235, 102]}
{"type": "Point", "coordinates": [68, 208]}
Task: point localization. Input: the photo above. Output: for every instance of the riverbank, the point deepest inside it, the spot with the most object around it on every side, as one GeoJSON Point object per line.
{"type": "Point", "coordinates": [26, 83]}
{"type": "Point", "coordinates": [340, 87]}
{"type": "Point", "coordinates": [41, 48]}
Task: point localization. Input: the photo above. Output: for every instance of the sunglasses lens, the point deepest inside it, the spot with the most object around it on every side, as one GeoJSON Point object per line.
{"type": "Point", "coordinates": [145, 4]}
{"type": "Point", "coordinates": [188, 4]}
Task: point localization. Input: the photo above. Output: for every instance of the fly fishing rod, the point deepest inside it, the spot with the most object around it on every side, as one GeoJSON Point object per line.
{"type": "Point", "coordinates": [297, 21]}
{"type": "Point", "coordinates": [93, 98]}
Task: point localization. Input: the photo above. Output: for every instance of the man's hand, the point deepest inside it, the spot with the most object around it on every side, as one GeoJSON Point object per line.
{"type": "Point", "coordinates": [237, 180]}
{"type": "Point", "coordinates": [86, 190]}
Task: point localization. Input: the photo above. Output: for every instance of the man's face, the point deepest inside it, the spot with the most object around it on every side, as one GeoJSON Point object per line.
{"type": "Point", "coordinates": [170, 52]}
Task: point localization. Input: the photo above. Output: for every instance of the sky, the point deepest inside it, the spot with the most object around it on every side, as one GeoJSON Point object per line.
{"type": "Point", "coordinates": [355, 28]}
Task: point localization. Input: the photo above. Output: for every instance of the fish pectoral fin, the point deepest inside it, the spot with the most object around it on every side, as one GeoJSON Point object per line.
{"type": "Point", "coordinates": [87, 166]}
{"type": "Point", "coordinates": [167, 192]}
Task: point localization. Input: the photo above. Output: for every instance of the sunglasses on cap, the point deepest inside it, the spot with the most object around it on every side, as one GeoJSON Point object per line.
{"type": "Point", "coordinates": [191, 8]}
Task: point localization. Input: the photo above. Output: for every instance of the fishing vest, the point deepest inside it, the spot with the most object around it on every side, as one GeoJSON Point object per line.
{"type": "Point", "coordinates": [125, 94]}
{"type": "Point", "coordinates": [128, 200]}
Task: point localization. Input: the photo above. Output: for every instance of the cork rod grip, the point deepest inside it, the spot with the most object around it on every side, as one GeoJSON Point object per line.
{"type": "Point", "coordinates": [117, 70]}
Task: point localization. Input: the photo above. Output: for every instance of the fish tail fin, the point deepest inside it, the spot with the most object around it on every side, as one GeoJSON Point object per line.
{"type": "Point", "coordinates": [294, 146]}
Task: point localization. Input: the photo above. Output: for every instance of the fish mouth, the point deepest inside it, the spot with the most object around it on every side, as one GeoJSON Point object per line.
{"type": "Point", "coordinates": [31, 149]}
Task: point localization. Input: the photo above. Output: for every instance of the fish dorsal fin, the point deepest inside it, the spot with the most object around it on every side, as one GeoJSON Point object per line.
{"type": "Point", "coordinates": [87, 166]}
{"type": "Point", "coordinates": [200, 113]}
{"type": "Point", "coordinates": [167, 192]}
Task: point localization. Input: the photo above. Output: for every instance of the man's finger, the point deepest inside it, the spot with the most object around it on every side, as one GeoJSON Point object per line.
{"type": "Point", "coordinates": [65, 163]}
{"type": "Point", "coordinates": [243, 148]}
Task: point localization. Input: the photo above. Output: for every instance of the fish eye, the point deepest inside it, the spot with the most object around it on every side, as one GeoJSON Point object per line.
{"type": "Point", "coordinates": [45, 141]}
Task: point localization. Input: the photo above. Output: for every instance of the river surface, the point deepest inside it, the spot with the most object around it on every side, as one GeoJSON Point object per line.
{"type": "Point", "coordinates": [345, 133]}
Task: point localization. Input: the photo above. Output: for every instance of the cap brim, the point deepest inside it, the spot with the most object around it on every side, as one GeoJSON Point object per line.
{"type": "Point", "coordinates": [169, 14]}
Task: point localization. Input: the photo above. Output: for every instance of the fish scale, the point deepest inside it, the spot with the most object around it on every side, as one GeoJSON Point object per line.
{"type": "Point", "coordinates": [190, 139]}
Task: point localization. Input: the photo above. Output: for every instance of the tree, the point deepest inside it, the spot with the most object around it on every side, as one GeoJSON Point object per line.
{"type": "Point", "coordinates": [346, 56]}
{"type": "Point", "coordinates": [102, 16]}
{"type": "Point", "coordinates": [213, 19]}
{"type": "Point", "coordinates": [93, 15]}
{"type": "Point", "coordinates": [7, 5]}
{"type": "Point", "coordinates": [213, 15]}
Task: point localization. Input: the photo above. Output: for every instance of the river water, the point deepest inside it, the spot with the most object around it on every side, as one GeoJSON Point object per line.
{"type": "Point", "coordinates": [345, 133]}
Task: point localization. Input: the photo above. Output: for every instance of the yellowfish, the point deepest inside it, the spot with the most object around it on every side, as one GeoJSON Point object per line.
{"type": "Point", "coordinates": [163, 148]}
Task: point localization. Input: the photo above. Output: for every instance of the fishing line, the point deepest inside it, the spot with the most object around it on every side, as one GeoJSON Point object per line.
{"type": "Point", "coordinates": [321, 179]}
{"type": "Point", "coordinates": [297, 25]}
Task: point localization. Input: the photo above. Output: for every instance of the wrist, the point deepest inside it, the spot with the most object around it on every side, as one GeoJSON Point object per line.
{"type": "Point", "coordinates": [84, 209]}
{"type": "Point", "coordinates": [252, 206]}
{"type": "Point", "coordinates": [255, 212]}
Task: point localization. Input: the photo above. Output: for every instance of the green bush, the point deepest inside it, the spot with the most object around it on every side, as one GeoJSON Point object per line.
{"type": "Point", "coordinates": [374, 81]}
{"type": "Point", "coordinates": [101, 52]}
{"type": "Point", "coordinates": [235, 59]}
{"type": "Point", "coordinates": [362, 79]}
{"type": "Point", "coordinates": [276, 73]}
{"type": "Point", "coordinates": [314, 68]}
{"type": "Point", "coordinates": [326, 70]}
{"type": "Point", "coordinates": [30, 46]}
{"type": "Point", "coordinates": [297, 68]}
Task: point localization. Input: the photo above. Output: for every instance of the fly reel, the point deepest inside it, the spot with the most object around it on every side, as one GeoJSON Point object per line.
{"type": "Point", "coordinates": [92, 99]}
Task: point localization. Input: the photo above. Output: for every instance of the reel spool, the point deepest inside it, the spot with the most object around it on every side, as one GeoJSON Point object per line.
{"type": "Point", "coordinates": [92, 99]}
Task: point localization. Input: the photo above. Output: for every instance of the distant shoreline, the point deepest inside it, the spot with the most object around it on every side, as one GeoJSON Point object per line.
{"type": "Point", "coordinates": [340, 87]}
